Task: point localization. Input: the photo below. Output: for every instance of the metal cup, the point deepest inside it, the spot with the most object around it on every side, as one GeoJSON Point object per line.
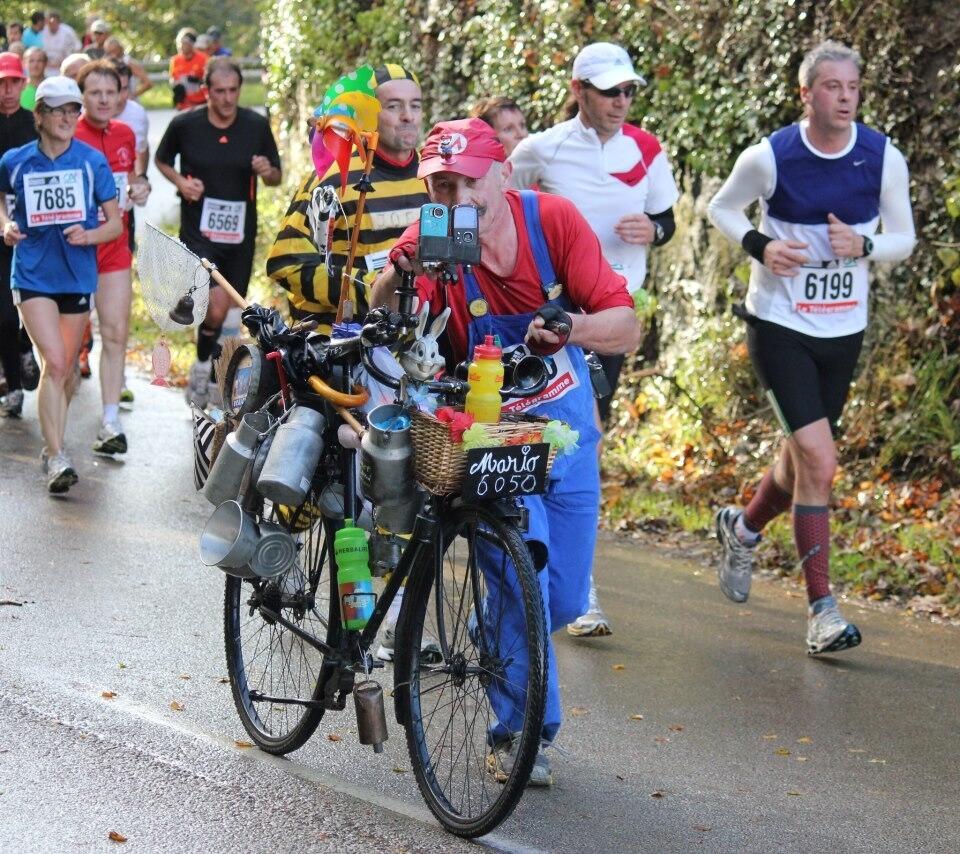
{"type": "Point", "coordinates": [229, 540]}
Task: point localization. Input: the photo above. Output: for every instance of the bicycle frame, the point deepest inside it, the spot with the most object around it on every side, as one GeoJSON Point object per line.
{"type": "Point", "coordinates": [351, 656]}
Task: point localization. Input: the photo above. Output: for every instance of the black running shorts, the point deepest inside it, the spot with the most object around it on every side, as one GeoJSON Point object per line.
{"type": "Point", "coordinates": [805, 378]}
{"type": "Point", "coordinates": [66, 303]}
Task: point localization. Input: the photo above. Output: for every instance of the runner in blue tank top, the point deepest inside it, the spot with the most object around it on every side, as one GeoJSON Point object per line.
{"type": "Point", "coordinates": [825, 186]}
{"type": "Point", "coordinates": [59, 183]}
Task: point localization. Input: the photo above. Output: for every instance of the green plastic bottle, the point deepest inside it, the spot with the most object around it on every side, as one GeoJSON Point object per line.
{"type": "Point", "coordinates": [354, 581]}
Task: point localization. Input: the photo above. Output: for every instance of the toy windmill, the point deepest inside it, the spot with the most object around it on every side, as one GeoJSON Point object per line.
{"type": "Point", "coordinates": [347, 119]}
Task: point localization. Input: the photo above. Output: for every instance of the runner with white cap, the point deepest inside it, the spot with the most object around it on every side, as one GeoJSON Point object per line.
{"type": "Point", "coordinates": [620, 179]}
{"type": "Point", "coordinates": [59, 184]}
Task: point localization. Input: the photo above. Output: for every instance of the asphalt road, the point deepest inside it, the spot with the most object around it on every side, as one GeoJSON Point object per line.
{"type": "Point", "coordinates": [698, 725]}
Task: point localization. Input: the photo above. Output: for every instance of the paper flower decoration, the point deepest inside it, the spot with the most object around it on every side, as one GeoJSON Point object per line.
{"type": "Point", "coordinates": [562, 437]}
{"type": "Point", "coordinates": [532, 438]}
{"type": "Point", "coordinates": [477, 437]}
{"type": "Point", "coordinates": [421, 397]}
{"type": "Point", "coordinates": [457, 422]}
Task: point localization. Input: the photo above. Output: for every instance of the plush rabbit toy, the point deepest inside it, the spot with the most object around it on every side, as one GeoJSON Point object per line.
{"type": "Point", "coordinates": [421, 359]}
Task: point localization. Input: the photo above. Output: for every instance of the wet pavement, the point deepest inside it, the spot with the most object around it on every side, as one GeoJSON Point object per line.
{"type": "Point", "coordinates": [698, 725]}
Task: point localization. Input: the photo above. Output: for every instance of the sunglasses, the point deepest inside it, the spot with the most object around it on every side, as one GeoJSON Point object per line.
{"type": "Point", "coordinates": [627, 91]}
{"type": "Point", "coordinates": [71, 111]}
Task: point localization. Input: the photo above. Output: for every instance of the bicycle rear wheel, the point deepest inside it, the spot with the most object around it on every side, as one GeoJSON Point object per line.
{"type": "Point", "coordinates": [267, 662]}
{"type": "Point", "coordinates": [475, 591]}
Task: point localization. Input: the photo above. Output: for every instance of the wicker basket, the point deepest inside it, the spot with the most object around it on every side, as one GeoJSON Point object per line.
{"type": "Point", "coordinates": [440, 462]}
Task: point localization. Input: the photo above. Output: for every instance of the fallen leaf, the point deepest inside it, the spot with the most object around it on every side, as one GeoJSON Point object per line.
{"type": "Point", "coordinates": [805, 740]}
{"type": "Point", "coordinates": [334, 737]}
{"type": "Point", "coordinates": [675, 727]}
{"type": "Point", "coordinates": [856, 750]}
{"type": "Point", "coordinates": [398, 769]}
{"type": "Point", "coordinates": [184, 676]}
{"type": "Point", "coordinates": [122, 666]}
{"type": "Point", "coordinates": [801, 758]}
{"type": "Point", "coordinates": [223, 680]}
{"type": "Point", "coordinates": [578, 711]}
{"type": "Point", "coordinates": [769, 737]}
{"type": "Point", "coordinates": [662, 739]}
{"type": "Point", "coordinates": [701, 828]}
{"type": "Point", "coordinates": [240, 743]}
{"type": "Point", "coordinates": [636, 717]}
{"type": "Point", "coordinates": [108, 695]}
{"type": "Point", "coordinates": [656, 794]}
{"type": "Point", "coordinates": [177, 707]}
{"type": "Point", "coordinates": [620, 777]}
{"type": "Point", "coordinates": [782, 751]}
{"type": "Point", "coordinates": [116, 837]}
{"type": "Point", "coordinates": [619, 666]}
{"type": "Point", "coordinates": [879, 761]}
{"type": "Point", "coordinates": [795, 794]}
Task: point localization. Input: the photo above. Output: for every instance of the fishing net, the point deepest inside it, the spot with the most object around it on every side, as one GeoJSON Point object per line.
{"type": "Point", "coordinates": [169, 272]}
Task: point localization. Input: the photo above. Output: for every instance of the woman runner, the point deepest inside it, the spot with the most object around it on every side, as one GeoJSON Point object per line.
{"type": "Point", "coordinates": [59, 183]}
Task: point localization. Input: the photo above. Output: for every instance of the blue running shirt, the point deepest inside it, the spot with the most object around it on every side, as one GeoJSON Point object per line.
{"type": "Point", "coordinates": [51, 196]}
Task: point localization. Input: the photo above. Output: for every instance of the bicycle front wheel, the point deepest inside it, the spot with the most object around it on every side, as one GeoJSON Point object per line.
{"type": "Point", "coordinates": [273, 672]}
{"type": "Point", "coordinates": [474, 595]}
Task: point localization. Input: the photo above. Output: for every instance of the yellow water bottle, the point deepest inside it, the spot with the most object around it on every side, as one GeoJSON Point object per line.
{"type": "Point", "coordinates": [485, 376]}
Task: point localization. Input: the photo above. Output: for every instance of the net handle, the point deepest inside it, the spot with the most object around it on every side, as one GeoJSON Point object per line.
{"type": "Point", "coordinates": [228, 289]}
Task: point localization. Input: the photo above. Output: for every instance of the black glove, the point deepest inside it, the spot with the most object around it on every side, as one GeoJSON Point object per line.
{"type": "Point", "coordinates": [179, 94]}
{"type": "Point", "coordinates": [263, 323]}
{"type": "Point", "coordinates": [381, 327]}
{"type": "Point", "coordinates": [557, 321]}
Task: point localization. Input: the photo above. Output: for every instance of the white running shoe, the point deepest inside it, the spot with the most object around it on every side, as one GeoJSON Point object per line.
{"type": "Point", "coordinates": [500, 761]}
{"type": "Point", "coordinates": [429, 648]}
{"type": "Point", "coordinates": [735, 570]}
{"type": "Point", "coordinates": [61, 474]}
{"type": "Point", "coordinates": [827, 631]}
{"type": "Point", "coordinates": [593, 623]}
{"type": "Point", "coordinates": [110, 440]}
{"type": "Point", "coordinates": [11, 405]}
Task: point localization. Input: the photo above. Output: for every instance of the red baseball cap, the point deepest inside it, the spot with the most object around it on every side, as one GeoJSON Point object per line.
{"type": "Point", "coordinates": [465, 146]}
{"type": "Point", "coordinates": [11, 66]}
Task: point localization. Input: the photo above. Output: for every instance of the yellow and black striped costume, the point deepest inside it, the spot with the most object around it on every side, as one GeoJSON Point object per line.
{"type": "Point", "coordinates": [295, 263]}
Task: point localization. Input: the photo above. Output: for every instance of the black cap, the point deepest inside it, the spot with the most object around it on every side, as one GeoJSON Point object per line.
{"type": "Point", "coordinates": [214, 33]}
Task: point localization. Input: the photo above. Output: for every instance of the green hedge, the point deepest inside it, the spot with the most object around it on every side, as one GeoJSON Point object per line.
{"type": "Point", "coordinates": [721, 74]}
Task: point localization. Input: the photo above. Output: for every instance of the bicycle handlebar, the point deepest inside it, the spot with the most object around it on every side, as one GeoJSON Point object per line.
{"type": "Point", "coordinates": [302, 356]}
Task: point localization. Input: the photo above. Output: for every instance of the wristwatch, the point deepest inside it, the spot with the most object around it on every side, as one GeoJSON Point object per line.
{"type": "Point", "coordinates": [867, 246]}
{"type": "Point", "coordinates": [657, 232]}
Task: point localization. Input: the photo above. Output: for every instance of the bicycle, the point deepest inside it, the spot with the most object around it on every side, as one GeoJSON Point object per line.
{"type": "Point", "coordinates": [289, 658]}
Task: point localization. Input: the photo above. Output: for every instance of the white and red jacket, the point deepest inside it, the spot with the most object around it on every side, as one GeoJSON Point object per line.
{"type": "Point", "coordinates": [629, 173]}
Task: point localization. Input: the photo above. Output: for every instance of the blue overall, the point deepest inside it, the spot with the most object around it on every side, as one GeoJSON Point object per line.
{"type": "Point", "coordinates": [564, 519]}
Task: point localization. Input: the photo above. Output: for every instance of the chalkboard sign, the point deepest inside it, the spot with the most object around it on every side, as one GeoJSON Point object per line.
{"type": "Point", "coordinates": [493, 473]}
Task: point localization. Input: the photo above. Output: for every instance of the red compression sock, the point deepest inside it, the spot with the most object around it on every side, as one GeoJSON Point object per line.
{"type": "Point", "coordinates": [769, 501]}
{"type": "Point", "coordinates": [811, 531]}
